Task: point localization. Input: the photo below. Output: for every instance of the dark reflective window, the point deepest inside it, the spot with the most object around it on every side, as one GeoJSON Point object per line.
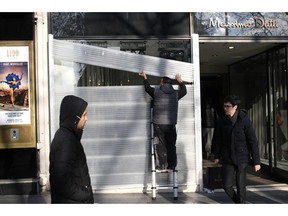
{"type": "Point", "coordinates": [119, 24]}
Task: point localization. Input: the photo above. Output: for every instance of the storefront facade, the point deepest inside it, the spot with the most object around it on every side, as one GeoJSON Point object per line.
{"type": "Point", "coordinates": [117, 140]}
{"type": "Point", "coordinates": [103, 68]}
{"type": "Point", "coordinates": [260, 80]}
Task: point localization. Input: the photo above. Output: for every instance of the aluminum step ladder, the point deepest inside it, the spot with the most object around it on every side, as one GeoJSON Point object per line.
{"type": "Point", "coordinates": [154, 142]}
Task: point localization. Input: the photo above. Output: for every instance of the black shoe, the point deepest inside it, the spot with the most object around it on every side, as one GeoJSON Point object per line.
{"type": "Point", "coordinates": [170, 168]}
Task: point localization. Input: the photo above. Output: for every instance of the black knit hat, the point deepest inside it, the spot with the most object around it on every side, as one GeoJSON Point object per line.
{"type": "Point", "coordinates": [166, 79]}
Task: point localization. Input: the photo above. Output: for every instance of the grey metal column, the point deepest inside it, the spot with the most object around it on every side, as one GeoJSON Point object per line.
{"type": "Point", "coordinates": [153, 187]}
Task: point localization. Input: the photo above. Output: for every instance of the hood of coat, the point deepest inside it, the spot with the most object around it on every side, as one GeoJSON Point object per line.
{"type": "Point", "coordinates": [71, 110]}
{"type": "Point", "coordinates": [167, 88]}
{"type": "Point", "coordinates": [242, 113]}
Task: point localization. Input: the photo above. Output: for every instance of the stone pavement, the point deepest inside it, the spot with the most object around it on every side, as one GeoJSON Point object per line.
{"type": "Point", "coordinates": [258, 194]}
{"type": "Point", "coordinates": [265, 200]}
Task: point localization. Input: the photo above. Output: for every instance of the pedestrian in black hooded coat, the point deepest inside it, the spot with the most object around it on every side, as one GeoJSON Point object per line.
{"type": "Point", "coordinates": [69, 175]}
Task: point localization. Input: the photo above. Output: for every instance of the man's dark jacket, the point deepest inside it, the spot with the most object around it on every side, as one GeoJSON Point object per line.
{"type": "Point", "coordinates": [236, 143]}
{"type": "Point", "coordinates": [69, 175]}
{"type": "Point", "coordinates": [165, 102]}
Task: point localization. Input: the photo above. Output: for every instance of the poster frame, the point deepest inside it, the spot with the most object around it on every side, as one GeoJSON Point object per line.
{"type": "Point", "coordinates": [25, 132]}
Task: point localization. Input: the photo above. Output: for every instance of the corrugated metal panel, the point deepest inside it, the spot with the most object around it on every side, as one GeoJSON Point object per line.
{"type": "Point", "coordinates": [117, 135]}
{"type": "Point", "coordinates": [116, 138]}
{"type": "Point", "coordinates": [93, 55]}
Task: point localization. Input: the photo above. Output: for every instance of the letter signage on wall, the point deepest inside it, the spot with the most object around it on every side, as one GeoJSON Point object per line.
{"type": "Point", "coordinates": [241, 24]}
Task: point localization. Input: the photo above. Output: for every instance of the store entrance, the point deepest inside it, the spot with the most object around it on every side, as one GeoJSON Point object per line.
{"type": "Point", "coordinates": [247, 77]}
{"type": "Point", "coordinates": [211, 94]}
{"type": "Point", "coordinates": [216, 57]}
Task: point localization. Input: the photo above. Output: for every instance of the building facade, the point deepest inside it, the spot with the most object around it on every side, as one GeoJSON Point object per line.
{"type": "Point", "coordinates": [64, 57]}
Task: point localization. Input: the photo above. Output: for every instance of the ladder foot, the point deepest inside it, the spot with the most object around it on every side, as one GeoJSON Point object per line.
{"type": "Point", "coordinates": [175, 198]}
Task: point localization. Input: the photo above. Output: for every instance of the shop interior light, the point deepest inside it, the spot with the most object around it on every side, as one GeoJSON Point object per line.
{"type": "Point", "coordinates": [171, 55]}
{"type": "Point", "coordinates": [163, 54]}
{"type": "Point", "coordinates": [180, 55]}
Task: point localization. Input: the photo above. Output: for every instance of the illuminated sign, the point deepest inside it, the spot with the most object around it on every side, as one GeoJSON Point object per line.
{"type": "Point", "coordinates": [14, 85]}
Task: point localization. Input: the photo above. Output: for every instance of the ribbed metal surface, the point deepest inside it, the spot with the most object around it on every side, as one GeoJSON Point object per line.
{"type": "Point", "coordinates": [93, 55]}
{"type": "Point", "coordinates": [116, 138]}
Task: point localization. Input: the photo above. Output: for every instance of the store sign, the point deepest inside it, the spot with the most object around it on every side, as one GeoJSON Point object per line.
{"type": "Point", "coordinates": [241, 24]}
{"type": "Point", "coordinates": [254, 23]}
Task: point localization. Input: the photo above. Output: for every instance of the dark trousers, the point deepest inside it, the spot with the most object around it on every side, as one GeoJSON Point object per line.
{"type": "Point", "coordinates": [229, 172]}
{"type": "Point", "coordinates": [167, 136]}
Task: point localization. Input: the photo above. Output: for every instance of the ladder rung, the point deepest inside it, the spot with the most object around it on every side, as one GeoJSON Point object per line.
{"type": "Point", "coordinates": [166, 171]}
{"type": "Point", "coordinates": [164, 186]}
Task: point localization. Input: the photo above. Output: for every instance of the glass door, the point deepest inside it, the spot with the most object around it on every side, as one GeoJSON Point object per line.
{"type": "Point", "coordinates": [277, 69]}
{"type": "Point", "coordinates": [248, 80]}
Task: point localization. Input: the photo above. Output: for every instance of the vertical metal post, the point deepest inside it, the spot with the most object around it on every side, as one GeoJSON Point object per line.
{"type": "Point", "coordinates": [175, 184]}
{"type": "Point", "coordinates": [197, 105]}
{"type": "Point", "coordinates": [42, 86]}
{"type": "Point", "coordinates": [152, 153]}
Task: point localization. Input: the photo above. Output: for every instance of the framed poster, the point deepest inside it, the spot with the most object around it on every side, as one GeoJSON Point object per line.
{"type": "Point", "coordinates": [17, 107]}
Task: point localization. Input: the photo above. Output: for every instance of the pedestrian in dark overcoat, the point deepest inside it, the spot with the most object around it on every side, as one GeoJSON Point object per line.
{"type": "Point", "coordinates": [235, 145]}
{"type": "Point", "coordinates": [69, 175]}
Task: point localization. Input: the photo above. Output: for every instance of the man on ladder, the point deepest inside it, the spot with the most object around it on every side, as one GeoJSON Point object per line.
{"type": "Point", "coordinates": [165, 112]}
